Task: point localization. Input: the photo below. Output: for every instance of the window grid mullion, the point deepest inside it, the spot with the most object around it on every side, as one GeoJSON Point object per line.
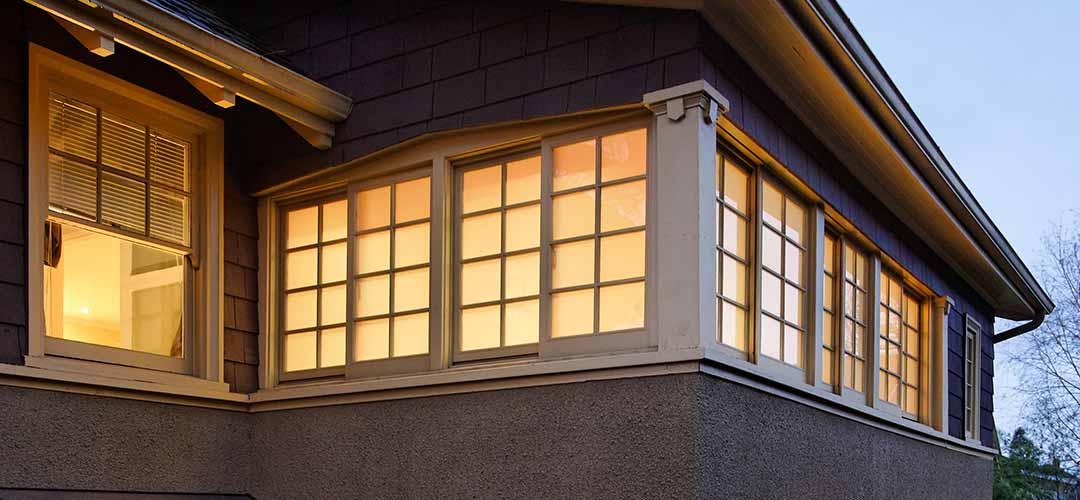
{"type": "Point", "coordinates": [392, 271]}
{"type": "Point", "coordinates": [502, 254]}
{"type": "Point", "coordinates": [597, 203]}
{"type": "Point", "coordinates": [318, 291]}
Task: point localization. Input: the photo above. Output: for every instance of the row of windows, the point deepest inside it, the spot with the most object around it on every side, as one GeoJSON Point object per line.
{"type": "Point", "coordinates": [754, 210]}
{"type": "Point", "coordinates": [594, 210]}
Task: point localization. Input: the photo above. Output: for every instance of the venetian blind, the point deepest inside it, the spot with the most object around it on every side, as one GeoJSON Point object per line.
{"type": "Point", "coordinates": [116, 172]}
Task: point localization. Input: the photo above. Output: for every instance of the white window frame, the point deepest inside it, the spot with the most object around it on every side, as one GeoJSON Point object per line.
{"type": "Point", "coordinates": [52, 72]}
{"type": "Point", "coordinates": [972, 375]}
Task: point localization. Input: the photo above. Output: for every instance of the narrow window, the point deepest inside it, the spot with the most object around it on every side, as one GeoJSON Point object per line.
{"type": "Point", "coordinates": [499, 255]}
{"type": "Point", "coordinates": [972, 331]}
{"type": "Point", "coordinates": [393, 235]}
{"type": "Point", "coordinates": [828, 305]}
{"type": "Point", "coordinates": [118, 232]}
{"type": "Point", "coordinates": [598, 235]}
{"type": "Point", "coordinates": [732, 252]}
{"type": "Point", "coordinates": [783, 293]}
{"type": "Point", "coordinates": [898, 346]}
{"type": "Point", "coordinates": [855, 316]}
{"type": "Point", "coordinates": [314, 281]}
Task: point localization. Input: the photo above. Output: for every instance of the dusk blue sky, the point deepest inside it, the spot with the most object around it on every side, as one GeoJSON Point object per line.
{"type": "Point", "coordinates": [995, 82]}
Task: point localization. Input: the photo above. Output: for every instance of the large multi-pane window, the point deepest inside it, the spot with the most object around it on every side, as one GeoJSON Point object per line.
{"type": "Point", "coordinates": [315, 240]}
{"type": "Point", "coordinates": [118, 232]}
{"type": "Point", "coordinates": [732, 251]}
{"type": "Point", "coordinates": [855, 317]}
{"type": "Point", "coordinates": [598, 235]}
{"type": "Point", "coordinates": [392, 270]}
{"type": "Point", "coordinates": [898, 345]}
{"type": "Point", "coordinates": [782, 325]}
{"type": "Point", "coordinates": [499, 255]}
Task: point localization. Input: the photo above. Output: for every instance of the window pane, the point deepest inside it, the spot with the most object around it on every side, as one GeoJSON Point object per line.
{"type": "Point", "coordinates": [523, 180]}
{"type": "Point", "coordinates": [480, 281]}
{"type": "Point", "coordinates": [372, 339]}
{"type": "Point", "coordinates": [573, 214]}
{"type": "Point", "coordinates": [622, 307]}
{"type": "Point", "coordinates": [302, 227]}
{"type": "Point", "coordinates": [793, 263]}
{"type": "Point", "coordinates": [792, 346]}
{"type": "Point", "coordinates": [72, 187]}
{"type": "Point", "coordinates": [735, 181]}
{"type": "Point", "coordinates": [411, 290]}
{"type": "Point", "coordinates": [622, 205]}
{"type": "Point", "coordinates": [623, 155]}
{"type": "Point", "coordinates": [412, 200]}
{"type": "Point", "coordinates": [373, 252]}
{"type": "Point", "coordinates": [481, 189]}
{"type": "Point", "coordinates": [574, 165]}
{"type": "Point", "coordinates": [72, 126]}
{"type": "Point", "coordinates": [300, 351]}
{"type": "Point", "coordinates": [828, 330]}
{"type": "Point", "coordinates": [123, 202]}
{"type": "Point", "coordinates": [572, 263]}
{"type": "Point", "coordinates": [373, 295]}
{"type": "Point", "coordinates": [332, 305]}
{"type": "Point", "coordinates": [859, 374]}
{"type": "Point", "coordinates": [412, 245]}
{"type": "Point", "coordinates": [332, 350]}
{"type": "Point", "coordinates": [169, 216]}
{"type": "Point", "coordinates": [771, 249]}
{"type": "Point", "coordinates": [523, 228]}
{"type": "Point", "coordinates": [92, 278]}
{"type": "Point", "coordinates": [622, 256]}
{"type": "Point", "coordinates": [770, 337]}
{"type": "Point", "coordinates": [410, 335]}
{"type": "Point", "coordinates": [772, 206]}
{"type": "Point", "coordinates": [894, 327]}
{"type": "Point", "coordinates": [770, 293]}
{"type": "Point", "coordinates": [373, 208]}
{"type": "Point", "coordinates": [334, 220]}
{"type": "Point", "coordinates": [169, 160]}
{"type": "Point", "coordinates": [123, 144]}
{"type": "Point", "coordinates": [571, 313]}
{"type": "Point", "coordinates": [523, 322]}
{"type": "Point", "coordinates": [827, 294]}
{"type": "Point", "coordinates": [300, 309]}
{"type": "Point", "coordinates": [523, 275]}
{"type": "Point", "coordinates": [480, 235]}
{"type": "Point", "coordinates": [830, 253]}
{"type": "Point", "coordinates": [333, 263]}
{"type": "Point", "coordinates": [911, 400]}
{"type": "Point", "coordinates": [734, 233]}
{"type": "Point", "coordinates": [480, 328]}
{"type": "Point", "coordinates": [827, 360]}
{"type": "Point", "coordinates": [734, 280]}
{"type": "Point", "coordinates": [733, 326]}
{"type": "Point", "coordinates": [793, 304]}
{"type": "Point", "coordinates": [895, 295]}
{"type": "Point", "coordinates": [300, 268]}
{"type": "Point", "coordinates": [795, 222]}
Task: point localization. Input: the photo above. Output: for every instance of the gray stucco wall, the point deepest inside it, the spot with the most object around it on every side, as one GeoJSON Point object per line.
{"type": "Point", "coordinates": [677, 436]}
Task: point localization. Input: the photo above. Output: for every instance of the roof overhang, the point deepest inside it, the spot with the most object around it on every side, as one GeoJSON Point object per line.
{"type": "Point", "coordinates": [218, 68]}
{"type": "Point", "coordinates": [811, 56]}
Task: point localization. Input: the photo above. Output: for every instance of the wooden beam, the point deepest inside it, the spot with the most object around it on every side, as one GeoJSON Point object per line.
{"type": "Point", "coordinates": [314, 137]}
{"type": "Point", "coordinates": [218, 95]}
{"type": "Point", "coordinates": [94, 41]}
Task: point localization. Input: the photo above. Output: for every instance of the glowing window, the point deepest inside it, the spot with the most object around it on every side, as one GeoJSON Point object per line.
{"type": "Point", "coordinates": [783, 285]}
{"type": "Point", "coordinates": [899, 339]}
{"type": "Point", "coordinates": [732, 252]}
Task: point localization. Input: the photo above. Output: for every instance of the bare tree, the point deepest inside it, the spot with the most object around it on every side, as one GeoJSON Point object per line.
{"type": "Point", "coordinates": [1049, 357]}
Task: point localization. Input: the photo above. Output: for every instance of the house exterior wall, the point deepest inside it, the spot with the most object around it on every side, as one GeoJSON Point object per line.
{"type": "Point", "coordinates": [673, 436]}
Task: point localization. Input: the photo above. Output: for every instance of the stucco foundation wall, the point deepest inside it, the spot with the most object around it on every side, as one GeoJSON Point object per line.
{"type": "Point", "coordinates": [755, 445]}
{"type": "Point", "coordinates": [56, 440]}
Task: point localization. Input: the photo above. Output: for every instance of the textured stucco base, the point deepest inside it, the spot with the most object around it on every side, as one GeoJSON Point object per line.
{"type": "Point", "coordinates": [677, 436]}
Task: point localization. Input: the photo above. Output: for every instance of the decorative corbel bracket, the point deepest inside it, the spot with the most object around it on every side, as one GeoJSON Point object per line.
{"type": "Point", "coordinates": [94, 41]}
{"type": "Point", "coordinates": [320, 139]}
{"type": "Point", "coordinates": [675, 101]}
{"type": "Point", "coordinates": [220, 96]}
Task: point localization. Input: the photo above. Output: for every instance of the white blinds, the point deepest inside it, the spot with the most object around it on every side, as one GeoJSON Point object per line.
{"type": "Point", "coordinates": [116, 172]}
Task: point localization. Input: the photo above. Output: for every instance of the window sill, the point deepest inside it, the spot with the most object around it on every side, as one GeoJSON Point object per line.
{"type": "Point", "coordinates": [86, 377]}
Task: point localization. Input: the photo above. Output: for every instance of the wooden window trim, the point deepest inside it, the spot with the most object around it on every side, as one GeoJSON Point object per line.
{"type": "Point", "coordinates": [52, 72]}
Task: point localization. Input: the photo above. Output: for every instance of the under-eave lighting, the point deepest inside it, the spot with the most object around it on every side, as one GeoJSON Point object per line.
{"type": "Point", "coordinates": [171, 40]}
{"type": "Point", "coordinates": [65, 17]}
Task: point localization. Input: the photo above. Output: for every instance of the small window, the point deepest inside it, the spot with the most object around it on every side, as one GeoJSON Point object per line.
{"type": "Point", "coordinates": [598, 204]}
{"type": "Point", "coordinates": [855, 317]}
{"type": "Point", "coordinates": [899, 340]}
{"type": "Point", "coordinates": [829, 300]}
{"type": "Point", "coordinates": [972, 331]}
{"type": "Point", "coordinates": [499, 257]}
{"type": "Point", "coordinates": [783, 286]}
{"type": "Point", "coordinates": [117, 235]}
{"type": "Point", "coordinates": [732, 251]}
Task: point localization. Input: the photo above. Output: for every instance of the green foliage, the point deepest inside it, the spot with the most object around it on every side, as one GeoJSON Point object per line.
{"type": "Point", "coordinates": [1025, 472]}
